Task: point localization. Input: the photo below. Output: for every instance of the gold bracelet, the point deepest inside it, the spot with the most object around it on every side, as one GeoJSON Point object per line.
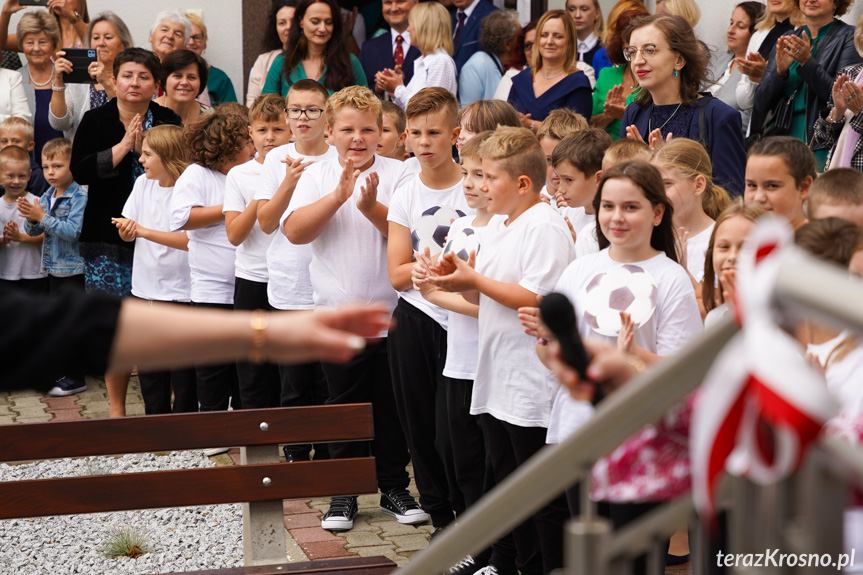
{"type": "Point", "coordinates": [259, 323]}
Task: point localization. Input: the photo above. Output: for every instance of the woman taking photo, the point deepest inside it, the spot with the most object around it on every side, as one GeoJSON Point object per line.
{"type": "Point", "coordinates": [275, 41]}
{"type": "Point", "coordinates": [431, 31]}
{"type": "Point", "coordinates": [105, 157]}
{"type": "Point", "coordinates": [670, 65]}
{"type": "Point", "coordinates": [183, 78]}
{"type": "Point", "coordinates": [803, 67]}
{"type": "Point", "coordinates": [71, 16]}
{"type": "Point", "coordinates": [109, 36]}
{"type": "Point", "coordinates": [315, 49]}
{"type": "Point", "coordinates": [553, 80]}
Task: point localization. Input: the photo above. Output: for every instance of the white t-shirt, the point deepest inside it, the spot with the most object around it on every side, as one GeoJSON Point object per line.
{"type": "Point", "coordinates": [463, 335]}
{"type": "Point", "coordinates": [288, 264]}
{"type": "Point", "coordinates": [413, 165]}
{"type": "Point", "coordinates": [242, 183]}
{"type": "Point", "coordinates": [577, 217]}
{"type": "Point", "coordinates": [349, 257]}
{"type": "Point", "coordinates": [586, 240]}
{"type": "Point", "coordinates": [843, 374]}
{"type": "Point", "coordinates": [158, 272]}
{"type": "Point", "coordinates": [18, 261]}
{"type": "Point", "coordinates": [532, 251]}
{"type": "Point", "coordinates": [674, 321]}
{"type": "Point", "coordinates": [211, 255]}
{"type": "Point", "coordinates": [696, 249]}
{"type": "Point", "coordinates": [407, 207]}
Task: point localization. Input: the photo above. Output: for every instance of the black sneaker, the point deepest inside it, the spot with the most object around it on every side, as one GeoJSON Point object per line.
{"type": "Point", "coordinates": [67, 386]}
{"type": "Point", "coordinates": [466, 566]}
{"type": "Point", "coordinates": [293, 454]}
{"type": "Point", "coordinates": [341, 515]}
{"type": "Point", "coordinates": [401, 505]}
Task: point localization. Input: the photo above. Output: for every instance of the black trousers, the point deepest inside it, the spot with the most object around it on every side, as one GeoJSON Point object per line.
{"type": "Point", "coordinates": [34, 286]}
{"type": "Point", "coordinates": [417, 352]}
{"type": "Point", "coordinates": [259, 383]}
{"type": "Point", "coordinates": [539, 540]}
{"type": "Point", "coordinates": [59, 285]}
{"type": "Point", "coordinates": [621, 514]}
{"type": "Point", "coordinates": [304, 384]}
{"type": "Point", "coordinates": [366, 378]}
{"type": "Point", "coordinates": [218, 386]}
{"type": "Point", "coordinates": [156, 387]}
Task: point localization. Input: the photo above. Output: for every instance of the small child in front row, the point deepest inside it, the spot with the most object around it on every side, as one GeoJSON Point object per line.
{"type": "Point", "coordinates": [779, 173]}
{"type": "Point", "coordinates": [393, 135]}
{"type": "Point", "coordinates": [624, 150]}
{"type": "Point", "coordinates": [20, 254]}
{"type": "Point", "coordinates": [553, 130]}
{"type": "Point", "coordinates": [59, 216]}
{"type": "Point", "coordinates": [15, 131]}
{"type": "Point", "coordinates": [526, 246]}
{"type": "Point", "coordinates": [160, 269]}
{"type": "Point", "coordinates": [837, 193]}
{"type": "Point", "coordinates": [259, 382]}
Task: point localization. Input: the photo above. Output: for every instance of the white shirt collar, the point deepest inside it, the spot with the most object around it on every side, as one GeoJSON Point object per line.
{"type": "Point", "coordinates": [406, 44]}
{"type": "Point", "coordinates": [587, 44]}
{"type": "Point", "coordinates": [468, 11]}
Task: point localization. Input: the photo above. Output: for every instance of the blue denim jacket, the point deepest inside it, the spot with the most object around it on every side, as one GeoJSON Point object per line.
{"type": "Point", "coordinates": [62, 227]}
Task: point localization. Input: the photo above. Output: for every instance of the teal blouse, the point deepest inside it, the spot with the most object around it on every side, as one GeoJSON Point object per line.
{"type": "Point", "coordinates": [609, 77]}
{"type": "Point", "coordinates": [798, 119]}
{"type": "Point", "coordinates": [276, 84]}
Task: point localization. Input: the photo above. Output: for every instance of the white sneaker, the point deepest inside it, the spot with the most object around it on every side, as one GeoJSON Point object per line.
{"type": "Point", "coordinates": [487, 570]}
{"type": "Point", "coordinates": [211, 451]}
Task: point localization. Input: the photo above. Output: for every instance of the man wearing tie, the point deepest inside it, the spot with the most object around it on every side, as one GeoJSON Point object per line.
{"type": "Point", "coordinates": [465, 25]}
{"type": "Point", "coordinates": [393, 50]}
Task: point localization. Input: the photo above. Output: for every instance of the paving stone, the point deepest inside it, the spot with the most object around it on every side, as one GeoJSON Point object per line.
{"type": "Point", "coordinates": [296, 506]}
{"type": "Point", "coordinates": [362, 539]}
{"type": "Point", "coordinates": [298, 520]}
{"type": "Point", "coordinates": [39, 419]}
{"type": "Point", "coordinates": [393, 527]}
{"type": "Point", "coordinates": [294, 551]}
{"type": "Point", "coordinates": [413, 542]}
{"type": "Point", "coordinates": [96, 406]}
{"type": "Point", "coordinates": [23, 393]}
{"type": "Point", "coordinates": [5, 411]}
{"type": "Point", "coordinates": [135, 408]}
{"type": "Point", "coordinates": [385, 550]}
{"type": "Point", "coordinates": [311, 534]}
{"type": "Point", "coordinates": [19, 403]}
{"type": "Point", "coordinates": [30, 412]}
{"type": "Point", "coordinates": [325, 550]}
{"type": "Point", "coordinates": [60, 402]}
{"type": "Point", "coordinates": [67, 414]}
{"type": "Point", "coordinates": [7, 419]}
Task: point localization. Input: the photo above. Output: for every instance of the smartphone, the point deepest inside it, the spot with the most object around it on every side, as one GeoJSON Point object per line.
{"type": "Point", "coordinates": [40, 3]}
{"type": "Point", "coordinates": [81, 59]}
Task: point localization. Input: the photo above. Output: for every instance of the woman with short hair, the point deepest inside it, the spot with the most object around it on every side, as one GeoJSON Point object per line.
{"type": "Point", "coordinates": [183, 79]}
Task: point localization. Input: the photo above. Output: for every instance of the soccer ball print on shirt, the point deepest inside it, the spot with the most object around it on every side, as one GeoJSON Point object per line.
{"type": "Point", "coordinates": [626, 288]}
{"type": "Point", "coordinates": [431, 228]}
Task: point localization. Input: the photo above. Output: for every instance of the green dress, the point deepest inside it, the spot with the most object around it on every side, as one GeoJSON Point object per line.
{"type": "Point", "coordinates": [609, 77]}
{"type": "Point", "coordinates": [276, 84]}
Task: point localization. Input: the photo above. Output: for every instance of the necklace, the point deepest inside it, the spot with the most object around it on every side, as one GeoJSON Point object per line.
{"type": "Point", "coordinates": [552, 76]}
{"type": "Point", "coordinates": [650, 120]}
{"type": "Point", "coordinates": [46, 82]}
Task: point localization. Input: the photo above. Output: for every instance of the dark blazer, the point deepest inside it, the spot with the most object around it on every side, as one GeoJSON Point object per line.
{"type": "Point", "coordinates": [818, 74]}
{"type": "Point", "coordinates": [109, 187]}
{"type": "Point", "coordinates": [377, 54]}
{"type": "Point", "coordinates": [469, 40]}
{"type": "Point", "coordinates": [723, 140]}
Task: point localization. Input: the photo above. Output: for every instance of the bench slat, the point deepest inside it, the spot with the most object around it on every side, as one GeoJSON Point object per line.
{"type": "Point", "coordinates": [351, 565]}
{"type": "Point", "coordinates": [185, 487]}
{"type": "Point", "coordinates": [148, 433]}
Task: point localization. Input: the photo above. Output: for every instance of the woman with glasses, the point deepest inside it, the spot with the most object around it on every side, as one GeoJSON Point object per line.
{"type": "Point", "coordinates": [616, 82]}
{"type": "Point", "coordinates": [219, 87]}
{"type": "Point", "coordinates": [553, 79]}
{"type": "Point", "coordinates": [670, 66]}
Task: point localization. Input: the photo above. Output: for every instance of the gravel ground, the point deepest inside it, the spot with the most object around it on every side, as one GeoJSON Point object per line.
{"type": "Point", "coordinates": [184, 539]}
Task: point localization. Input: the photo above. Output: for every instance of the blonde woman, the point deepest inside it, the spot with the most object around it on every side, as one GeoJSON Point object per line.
{"type": "Point", "coordinates": [686, 9]}
{"type": "Point", "coordinates": [553, 79]}
{"type": "Point", "coordinates": [589, 27]}
{"type": "Point", "coordinates": [431, 31]}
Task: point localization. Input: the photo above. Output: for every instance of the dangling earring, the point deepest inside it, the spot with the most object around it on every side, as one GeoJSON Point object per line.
{"type": "Point", "coordinates": [676, 73]}
{"type": "Point", "coordinates": [301, 44]}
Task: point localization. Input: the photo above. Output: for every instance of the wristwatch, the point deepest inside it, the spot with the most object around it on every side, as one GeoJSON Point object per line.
{"type": "Point", "coordinates": [76, 19]}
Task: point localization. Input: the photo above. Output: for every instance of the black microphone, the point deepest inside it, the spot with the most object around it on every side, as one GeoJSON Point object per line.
{"type": "Point", "coordinates": [558, 315]}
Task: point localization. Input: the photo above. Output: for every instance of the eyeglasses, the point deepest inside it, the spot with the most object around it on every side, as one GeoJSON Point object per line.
{"type": "Point", "coordinates": [197, 39]}
{"type": "Point", "coordinates": [648, 51]}
{"type": "Point", "coordinates": [311, 113]}
{"type": "Point", "coordinates": [528, 46]}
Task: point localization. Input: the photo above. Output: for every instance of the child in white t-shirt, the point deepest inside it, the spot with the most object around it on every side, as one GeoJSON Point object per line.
{"type": "Point", "coordinates": [526, 246]}
{"type": "Point", "coordinates": [259, 383]}
{"type": "Point", "coordinates": [160, 270]}
{"type": "Point", "coordinates": [289, 286]}
{"type": "Point", "coordinates": [20, 254]}
{"type": "Point", "coordinates": [340, 207]}
{"type": "Point", "coordinates": [216, 142]}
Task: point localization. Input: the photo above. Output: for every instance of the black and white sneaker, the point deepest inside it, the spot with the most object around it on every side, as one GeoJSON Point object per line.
{"type": "Point", "coordinates": [488, 570]}
{"type": "Point", "coordinates": [401, 505]}
{"type": "Point", "coordinates": [341, 515]}
{"type": "Point", "coordinates": [466, 566]}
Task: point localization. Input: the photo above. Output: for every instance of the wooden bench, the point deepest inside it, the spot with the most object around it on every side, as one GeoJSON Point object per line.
{"type": "Point", "coordinates": [261, 482]}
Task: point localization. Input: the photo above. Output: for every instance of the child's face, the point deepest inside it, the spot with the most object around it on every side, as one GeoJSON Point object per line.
{"type": "Point", "coordinates": [153, 166]}
{"type": "Point", "coordinates": [14, 175]}
{"type": "Point", "coordinates": [56, 170]}
{"type": "Point", "coordinates": [770, 185]}
{"type": "Point", "coordinates": [551, 180]}
{"type": "Point", "coordinates": [684, 193]}
{"type": "Point", "coordinates": [849, 212]}
{"type": "Point", "coordinates": [500, 189]}
{"type": "Point", "coordinates": [727, 242]}
{"type": "Point", "coordinates": [626, 217]}
{"type": "Point", "coordinates": [464, 134]}
{"type": "Point", "coordinates": [15, 137]}
{"type": "Point", "coordinates": [471, 169]}
{"type": "Point", "coordinates": [300, 106]}
{"type": "Point", "coordinates": [391, 139]}
{"type": "Point", "coordinates": [432, 137]}
{"type": "Point", "coordinates": [356, 134]}
{"type": "Point", "coordinates": [268, 135]}
{"type": "Point", "coordinates": [576, 188]}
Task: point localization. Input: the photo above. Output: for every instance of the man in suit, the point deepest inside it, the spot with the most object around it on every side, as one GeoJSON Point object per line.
{"type": "Point", "coordinates": [386, 50]}
{"type": "Point", "coordinates": [465, 27]}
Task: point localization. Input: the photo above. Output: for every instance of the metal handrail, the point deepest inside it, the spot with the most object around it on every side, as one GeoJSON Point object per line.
{"type": "Point", "coordinates": [837, 299]}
